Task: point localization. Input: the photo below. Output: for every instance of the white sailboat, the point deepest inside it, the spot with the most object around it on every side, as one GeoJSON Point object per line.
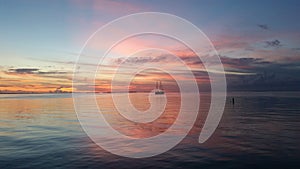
{"type": "Point", "coordinates": [159, 89]}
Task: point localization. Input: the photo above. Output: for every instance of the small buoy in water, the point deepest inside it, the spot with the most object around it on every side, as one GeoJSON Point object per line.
{"type": "Point", "coordinates": [233, 100]}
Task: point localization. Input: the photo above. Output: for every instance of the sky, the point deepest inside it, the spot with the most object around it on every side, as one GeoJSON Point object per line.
{"type": "Point", "coordinates": [258, 43]}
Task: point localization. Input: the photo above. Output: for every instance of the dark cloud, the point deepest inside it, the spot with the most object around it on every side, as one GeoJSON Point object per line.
{"type": "Point", "coordinates": [242, 63]}
{"type": "Point", "coordinates": [263, 26]}
{"type": "Point", "coordinates": [24, 70]}
{"type": "Point", "coordinates": [296, 49]}
{"type": "Point", "coordinates": [3, 85]}
{"type": "Point", "coordinates": [265, 75]}
{"type": "Point", "coordinates": [270, 76]}
{"type": "Point", "coordinates": [229, 62]}
{"type": "Point", "coordinates": [274, 43]}
{"type": "Point", "coordinates": [33, 71]}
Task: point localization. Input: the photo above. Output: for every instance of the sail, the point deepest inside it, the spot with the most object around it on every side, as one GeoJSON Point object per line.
{"type": "Point", "coordinates": [159, 88]}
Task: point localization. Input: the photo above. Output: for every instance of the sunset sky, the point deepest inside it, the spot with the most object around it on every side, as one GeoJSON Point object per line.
{"type": "Point", "coordinates": [258, 42]}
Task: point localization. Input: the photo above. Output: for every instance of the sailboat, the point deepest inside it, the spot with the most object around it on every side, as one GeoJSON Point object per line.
{"type": "Point", "coordinates": [159, 88]}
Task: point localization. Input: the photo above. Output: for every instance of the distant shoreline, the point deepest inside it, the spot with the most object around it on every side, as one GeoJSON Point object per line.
{"type": "Point", "coordinates": [146, 92]}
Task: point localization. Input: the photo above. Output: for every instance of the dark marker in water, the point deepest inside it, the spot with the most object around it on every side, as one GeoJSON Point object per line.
{"type": "Point", "coordinates": [233, 100]}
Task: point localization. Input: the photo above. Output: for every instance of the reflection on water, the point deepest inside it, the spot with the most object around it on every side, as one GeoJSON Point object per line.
{"type": "Point", "coordinates": [261, 130]}
{"type": "Point", "coordinates": [140, 102]}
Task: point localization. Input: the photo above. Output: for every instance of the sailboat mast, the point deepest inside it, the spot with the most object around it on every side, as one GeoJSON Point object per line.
{"type": "Point", "coordinates": [159, 89]}
{"type": "Point", "coordinates": [160, 85]}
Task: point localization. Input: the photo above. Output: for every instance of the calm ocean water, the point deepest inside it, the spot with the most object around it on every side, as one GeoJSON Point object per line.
{"type": "Point", "coordinates": [261, 130]}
